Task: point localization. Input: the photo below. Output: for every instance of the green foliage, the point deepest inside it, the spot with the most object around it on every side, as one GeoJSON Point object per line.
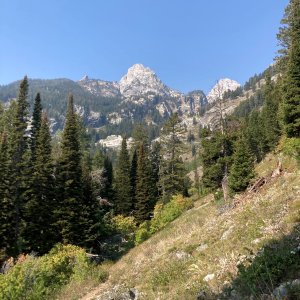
{"type": "Point", "coordinates": [267, 270]}
{"type": "Point", "coordinates": [144, 197]}
{"type": "Point", "coordinates": [212, 159]}
{"type": "Point", "coordinates": [39, 232]}
{"type": "Point", "coordinates": [256, 135]}
{"type": "Point", "coordinates": [40, 278]}
{"type": "Point", "coordinates": [245, 107]}
{"type": "Point", "coordinates": [289, 37]}
{"type": "Point", "coordinates": [291, 147]}
{"type": "Point", "coordinates": [36, 124]}
{"type": "Point", "coordinates": [269, 113]}
{"type": "Point", "coordinates": [123, 201]}
{"type": "Point", "coordinates": [124, 225]}
{"type": "Point", "coordinates": [142, 233]}
{"type": "Point", "coordinates": [7, 209]}
{"type": "Point", "coordinates": [171, 172]}
{"type": "Point", "coordinates": [242, 169]}
{"type": "Point", "coordinates": [19, 161]}
{"type": "Point", "coordinates": [164, 214]}
{"type": "Point", "coordinates": [74, 215]}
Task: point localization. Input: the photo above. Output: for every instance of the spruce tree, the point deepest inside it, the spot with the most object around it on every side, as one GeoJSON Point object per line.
{"type": "Point", "coordinates": [123, 200]}
{"type": "Point", "coordinates": [19, 160]}
{"type": "Point", "coordinates": [291, 90]}
{"type": "Point", "coordinates": [72, 217]}
{"type": "Point", "coordinates": [39, 232]}
{"type": "Point", "coordinates": [133, 174]}
{"type": "Point", "coordinates": [7, 211]}
{"type": "Point", "coordinates": [213, 164]}
{"type": "Point", "coordinates": [155, 160]}
{"type": "Point", "coordinates": [107, 191]}
{"type": "Point", "coordinates": [143, 188]}
{"type": "Point", "coordinates": [256, 135]}
{"type": "Point", "coordinates": [171, 173]}
{"type": "Point", "coordinates": [242, 169]}
{"type": "Point", "coordinates": [270, 114]}
{"type": "Point", "coordinates": [35, 125]}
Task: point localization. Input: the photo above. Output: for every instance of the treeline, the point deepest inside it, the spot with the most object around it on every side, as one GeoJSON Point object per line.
{"type": "Point", "coordinates": [231, 149]}
{"type": "Point", "coordinates": [57, 190]}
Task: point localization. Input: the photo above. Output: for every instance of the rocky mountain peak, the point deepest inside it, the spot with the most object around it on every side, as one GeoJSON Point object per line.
{"type": "Point", "coordinates": [84, 78]}
{"type": "Point", "coordinates": [141, 80]}
{"type": "Point", "coordinates": [222, 86]}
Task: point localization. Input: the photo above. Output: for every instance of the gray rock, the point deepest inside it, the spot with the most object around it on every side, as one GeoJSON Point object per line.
{"type": "Point", "coordinates": [181, 255]}
{"type": "Point", "coordinates": [281, 292]}
{"type": "Point", "coordinates": [202, 247]}
{"type": "Point", "coordinates": [209, 277]}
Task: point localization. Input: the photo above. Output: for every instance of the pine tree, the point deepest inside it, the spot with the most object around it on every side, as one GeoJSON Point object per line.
{"type": "Point", "coordinates": [133, 174]}
{"type": "Point", "coordinates": [155, 160]}
{"type": "Point", "coordinates": [270, 114]}
{"type": "Point", "coordinates": [107, 191]}
{"type": "Point", "coordinates": [7, 212]}
{"type": "Point", "coordinates": [213, 165]}
{"type": "Point", "coordinates": [291, 90]}
{"type": "Point", "coordinates": [256, 135]}
{"type": "Point", "coordinates": [123, 201]}
{"type": "Point", "coordinates": [36, 124]}
{"type": "Point", "coordinates": [18, 152]}
{"type": "Point", "coordinates": [171, 173]}
{"type": "Point", "coordinates": [242, 169]}
{"type": "Point", "coordinates": [39, 232]}
{"type": "Point", "coordinates": [143, 188]}
{"type": "Point", "coordinates": [72, 216]}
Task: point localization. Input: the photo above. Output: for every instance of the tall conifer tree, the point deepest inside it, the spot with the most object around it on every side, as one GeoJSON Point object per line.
{"type": "Point", "coordinates": [270, 114]}
{"type": "Point", "coordinates": [291, 91]}
{"type": "Point", "coordinates": [171, 173]}
{"type": "Point", "coordinates": [242, 169]}
{"type": "Point", "coordinates": [143, 187]}
{"type": "Point", "coordinates": [71, 213]}
{"type": "Point", "coordinates": [18, 152]}
{"type": "Point", "coordinates": [39, 232]}
{"type": "Point", "coordinates": [36, 124]}
{"type": "Point", "coordinates": [123, 201]}
{"type": "Point", "coordinates": [7, 211]}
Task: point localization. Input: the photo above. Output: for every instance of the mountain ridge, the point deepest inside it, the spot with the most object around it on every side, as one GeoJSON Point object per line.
{"type": "Point", "coordinates": [138, 96]}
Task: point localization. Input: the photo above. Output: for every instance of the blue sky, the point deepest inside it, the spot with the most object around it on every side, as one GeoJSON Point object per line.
{"type": "Point", "coordinates": [188, 43]}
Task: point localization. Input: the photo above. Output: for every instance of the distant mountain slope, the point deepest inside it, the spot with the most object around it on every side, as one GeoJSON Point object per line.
{"type": "Point", "coordinates": [139, 96]}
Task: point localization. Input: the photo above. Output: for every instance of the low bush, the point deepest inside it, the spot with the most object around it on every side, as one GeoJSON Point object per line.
{"type": "Point", "coordinates": [291, 147]}
{"type": "Point", "coordinates": [35, 278]}
{"type": "Point", "coordinates": [164, 214]}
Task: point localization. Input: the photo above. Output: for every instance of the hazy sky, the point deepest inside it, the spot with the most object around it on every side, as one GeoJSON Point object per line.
{"type": "Point", "coordinates": [188, 43]}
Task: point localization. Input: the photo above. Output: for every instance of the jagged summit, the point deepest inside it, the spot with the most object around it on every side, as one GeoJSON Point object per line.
{"type": "Point", "coordinates": [84, 78]}
{"type": "Point", "coordinates": [223, 85]}
{"type": "Point", "coordinates": [141, 80]}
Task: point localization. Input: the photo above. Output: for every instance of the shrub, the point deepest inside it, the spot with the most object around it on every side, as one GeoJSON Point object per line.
{"type": "Point", "coordinates": [275, 264]}
{"type": "Point", "coordinates": [291, 147]}
{"type": "Point", "coordinates": [124, 225]}
{"type": "Point", "coordinates": [164, 214]}
{"type": "Point", "coordinates": [40, 277]}
{"type": "Point", "coordinates": [142, 233]}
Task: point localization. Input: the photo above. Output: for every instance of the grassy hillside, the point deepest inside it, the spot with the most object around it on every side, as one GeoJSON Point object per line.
{"type": "Point", "coordinates": [201, 250]}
